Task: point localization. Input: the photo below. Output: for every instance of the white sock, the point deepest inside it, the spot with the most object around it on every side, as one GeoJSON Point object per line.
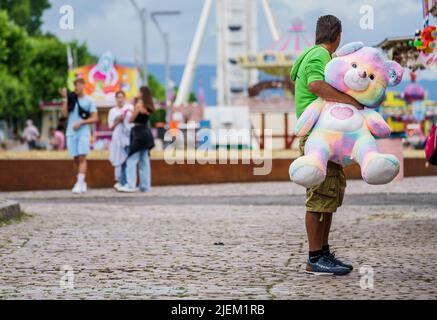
{"type": "Point", "coordinates": [81, 178]}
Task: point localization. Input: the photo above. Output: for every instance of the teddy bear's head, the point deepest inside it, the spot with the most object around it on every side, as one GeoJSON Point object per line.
{"type": "Point", "coordinates": [363, 73]}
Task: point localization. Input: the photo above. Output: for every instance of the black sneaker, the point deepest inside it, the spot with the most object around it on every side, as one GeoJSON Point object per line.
{"type": "Point", "coordinates": [338, 262]}
{"type": "Point", "coordinates": [325, 266]}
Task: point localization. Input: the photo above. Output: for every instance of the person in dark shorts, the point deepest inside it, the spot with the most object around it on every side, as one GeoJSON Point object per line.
{"type": "Point", "coordinates": [322, 200]}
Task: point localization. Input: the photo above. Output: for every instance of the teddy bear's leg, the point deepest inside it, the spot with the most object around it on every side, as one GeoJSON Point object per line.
{"type": "Point", "coordinates": [376, 168]}
{"type": "Point", "coordinates": [310, 170]}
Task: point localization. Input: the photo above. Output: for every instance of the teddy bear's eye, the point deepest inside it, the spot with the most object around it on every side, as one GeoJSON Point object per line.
{"type": "Point", "coordinates": [354, 65]}
{"type": "Point", "coordinates": [372, 77]}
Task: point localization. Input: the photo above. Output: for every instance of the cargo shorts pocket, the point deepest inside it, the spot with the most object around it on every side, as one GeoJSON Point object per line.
{"type": "Point", "coordinates": [328, 188]}
{"type": "Point", "coordinates": [328, 196]}
{"type": "Point", "coordinates": [324, 197]}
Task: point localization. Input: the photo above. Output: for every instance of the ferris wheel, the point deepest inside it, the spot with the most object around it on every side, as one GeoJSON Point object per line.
{"type": "Point", "coordinates": [237, 30]}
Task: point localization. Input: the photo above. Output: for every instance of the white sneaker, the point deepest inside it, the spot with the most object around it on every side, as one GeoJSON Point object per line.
{"type": "Point", "coordinates": [126, 189]}
{"type": "Point", "coordinates": [83, 188]}
{"type": "Point", "coordinates": [77, 188]}
{"type": "Point", "coordinates": [117, 186]}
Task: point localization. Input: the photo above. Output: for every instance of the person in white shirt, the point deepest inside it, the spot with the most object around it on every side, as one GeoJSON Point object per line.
{"type": "Point", "coordinates": [118, 121]}
{"type": "Point", "coordinates": [31, 134]}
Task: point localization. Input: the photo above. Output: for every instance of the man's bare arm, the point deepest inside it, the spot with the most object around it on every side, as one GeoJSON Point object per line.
{"type": "Point", "coordinates": [329, 93]}
{"type": "Point", "coordinates": [94, 118]}
{"type": "Point", "coordinates": [64, 95]}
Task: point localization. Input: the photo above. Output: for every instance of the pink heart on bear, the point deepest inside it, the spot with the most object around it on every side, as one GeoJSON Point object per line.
{"type": "Point", "coordinates": [342, 113]}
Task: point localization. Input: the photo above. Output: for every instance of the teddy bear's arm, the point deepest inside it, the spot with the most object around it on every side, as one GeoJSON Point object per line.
{"type": "Point", "coordinates": [309, 118]}
{"type": "Point", "coordinates": [376, 124]}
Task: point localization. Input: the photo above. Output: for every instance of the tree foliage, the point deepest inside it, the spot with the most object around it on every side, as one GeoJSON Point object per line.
{"type": "Point", "coordinates": [49, 66]}
{"type": "Point", "coordinates": [32, 68]}
{"type": "Point", "coordinates": [14, 48]}
{"type": "Point", "coordinates": [156, 88]}
{"type": "Point", "coordinates": [15, 101]}
{"type": "Point", "coordinates": [26, 13]}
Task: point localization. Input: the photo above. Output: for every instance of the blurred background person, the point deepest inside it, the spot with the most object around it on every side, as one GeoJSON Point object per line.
{"type": "Point", "coordinates": [81, 111]}
{"type": "Point", "coordinates": [57, 136]}
{"type": "Point", "coordinates": [118, 120]}
{"type": "Point", "coordinates": [141, 143]}
{"type": "Point", "coordinates": [31, 135]}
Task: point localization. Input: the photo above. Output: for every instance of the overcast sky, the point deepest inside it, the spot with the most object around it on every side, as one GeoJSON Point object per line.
{"type": "Point", "coordinates": [113, 24]}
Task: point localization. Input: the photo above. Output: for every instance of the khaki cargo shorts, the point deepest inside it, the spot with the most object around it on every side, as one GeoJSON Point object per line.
{"type": "Point", "coordinates": [328, 196]}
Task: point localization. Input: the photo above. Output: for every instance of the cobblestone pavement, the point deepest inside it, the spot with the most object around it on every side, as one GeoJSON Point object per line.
{"type": "Point", "coordinates": [191, 242]}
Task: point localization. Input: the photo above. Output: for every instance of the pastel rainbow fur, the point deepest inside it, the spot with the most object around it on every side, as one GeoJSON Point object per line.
{"type": "Point", "coordinates": [341, 133]}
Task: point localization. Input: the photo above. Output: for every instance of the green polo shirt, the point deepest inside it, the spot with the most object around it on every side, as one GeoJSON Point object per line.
{"type": "Point", "coordinates": [309, 67]}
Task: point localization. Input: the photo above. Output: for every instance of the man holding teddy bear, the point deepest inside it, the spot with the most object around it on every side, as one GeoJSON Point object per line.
{"type": "Point", "coordinates": [322, 200]}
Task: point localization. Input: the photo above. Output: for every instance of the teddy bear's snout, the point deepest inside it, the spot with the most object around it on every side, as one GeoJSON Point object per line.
{"type": "Point", "coordinates": [357, 80]}
{"type": "Point", "coordinates": [362, 74]}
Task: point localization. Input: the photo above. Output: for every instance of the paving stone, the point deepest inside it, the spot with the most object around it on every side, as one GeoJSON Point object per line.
{"type": "Point", "coordinates": [134, 250]}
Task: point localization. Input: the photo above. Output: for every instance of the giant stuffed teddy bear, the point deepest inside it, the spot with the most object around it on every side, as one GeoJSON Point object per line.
{"type": "Point", "coordinates": [340, 132]}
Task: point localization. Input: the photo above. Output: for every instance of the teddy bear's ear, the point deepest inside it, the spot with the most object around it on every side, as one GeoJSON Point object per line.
{"type": "Point", "coordinates": [349, 48]}
{"type": "Point", "coordinates": [395, 73]}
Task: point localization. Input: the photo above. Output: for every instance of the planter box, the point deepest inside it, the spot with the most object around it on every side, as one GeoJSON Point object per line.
{"type": "Point", "coordinates": [29, 175]}
{"type": "Point", "coordinates": [9, 210]}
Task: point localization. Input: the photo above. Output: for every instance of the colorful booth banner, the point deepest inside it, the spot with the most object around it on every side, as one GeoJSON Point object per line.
{"type": "Point", "coordinates": [105, 78]}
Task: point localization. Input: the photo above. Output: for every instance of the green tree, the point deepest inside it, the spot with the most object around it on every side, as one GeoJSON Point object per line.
{"type": "Point", "coordinates": [156, 88]}
{"type": "Point", "coordinates": [31, 70]}
{"type": "Point", "coordinates": [26, 13]}
{"type": "Point", "coordinates": [191, 97]}
{"type": "Point", "coordinates": [15, 97]}
{"type": "Point", "coordinates": [14, 46]}
{"type": "Point", "coordinates": [159, 92]}
{"type": "Point", "coordinates": [49, 66]}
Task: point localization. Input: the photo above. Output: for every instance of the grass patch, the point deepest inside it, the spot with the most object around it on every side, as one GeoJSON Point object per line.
{"type": "Point", "coordinates": [397, 216]}
{"type": "Point", "coordinates": [21, 217]}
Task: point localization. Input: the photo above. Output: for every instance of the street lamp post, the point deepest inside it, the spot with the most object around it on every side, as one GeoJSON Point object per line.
{"type": "Point", "coordinates": [142, 12]}
{"type": "Point", "coordinates": [165, 37]}
{"type": "Point", "coordinates": [167, 67]}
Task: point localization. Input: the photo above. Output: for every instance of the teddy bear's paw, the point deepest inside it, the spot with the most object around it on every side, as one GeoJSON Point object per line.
{"type": "Point", "coordinates": [381, 169]}
{"type": "Point", "coordinates": [306, 173]}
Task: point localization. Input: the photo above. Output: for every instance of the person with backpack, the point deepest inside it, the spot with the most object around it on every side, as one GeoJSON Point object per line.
{"type": "Point", "coordinates": [81, 112]}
